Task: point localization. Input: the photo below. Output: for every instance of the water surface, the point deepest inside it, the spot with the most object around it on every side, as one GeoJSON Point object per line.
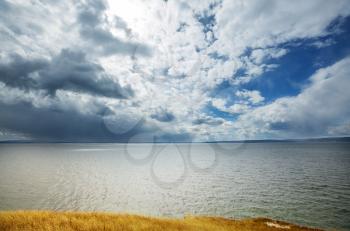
{"type": "Point", "coordinates": [304, 183]}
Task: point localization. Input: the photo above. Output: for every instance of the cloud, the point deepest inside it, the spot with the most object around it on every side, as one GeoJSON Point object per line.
{"type": "Point", "coordinates": [27, 28]}
{"type": "Point", "coordinates": [262, 24]}
{"type": "Point", "coordinates": [236, 108]}
{"type": "Point", "coordinates": [163, 115]}
{"type": "Point", "coordinates": [204, 119]}
{"type": "Point", "coordinates": [95, 28]}
{"type": "Point", "coordinates": [15, 71]}
{"type": "Point", "coordinates": [70, 70]}
{"type": "Point", "coordinates": [253, 97]}
{"type": "Point", "coordinates": [162, 62]}
{"type": "Point", "coordinates": [53, 125]}
{"type": "Point", "coordinates": [24, 27]}
{"type": "Point", "coordinates": [72, 117]}
{"type": "Point", "coordinates": [260, 55]}
{"type": "Point", "coordinates": [319, 110]}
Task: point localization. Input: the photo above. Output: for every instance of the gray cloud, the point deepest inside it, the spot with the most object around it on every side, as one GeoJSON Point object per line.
{"type": "Point", "coordinates": [4, 5]}
{"type": "Point", "coordinates": [9, 12]}
{"type": "Point", "coordinates": [72, 71]}
{"type": "Point", "coordinates": [49, 124]}
{"type": "Point", "coordinates": [163, 115]}
{"type": "Point", "coordinates": [54, 124]}
{"type": "Point", "coordinates": [120, 23]}
{"type": "Point", "coordinates": [69, 70]}
{"type": "Point", "coordinates": [16, 72]}
{"type": "Point", "coordinates": [208, 120]}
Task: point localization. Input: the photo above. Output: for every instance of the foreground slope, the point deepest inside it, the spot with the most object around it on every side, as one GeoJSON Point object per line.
{"type": "Point", "coordinates": [83, 221]}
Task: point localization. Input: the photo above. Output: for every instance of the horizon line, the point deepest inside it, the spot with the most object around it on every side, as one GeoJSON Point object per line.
{"type": "Point", "coordinates": [340, 138]}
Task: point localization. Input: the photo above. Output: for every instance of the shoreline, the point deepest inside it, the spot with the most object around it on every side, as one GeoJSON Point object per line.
{"type": "Point", "coordinates": [88, 221]}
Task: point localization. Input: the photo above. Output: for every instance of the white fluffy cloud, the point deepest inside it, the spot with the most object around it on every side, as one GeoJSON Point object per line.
{"type": "Point", "coordinates": [236, 108]}
{"type": "Point", "coordinates": [252, 96]}
{"type": "Point", "coordinates": [321, 109]}
{"type": "Point", "coordinates": [262, 24]}
{"type": "Point", "coordinates": [259, 55]}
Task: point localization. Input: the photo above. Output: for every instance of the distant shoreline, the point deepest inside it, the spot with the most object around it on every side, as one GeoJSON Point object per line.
{"type": "Point", "coordinates": [324, 139]}
{"type": "Point", "coordinates": [84, 221]}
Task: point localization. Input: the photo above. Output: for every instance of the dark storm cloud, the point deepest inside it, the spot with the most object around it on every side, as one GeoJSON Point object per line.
{"type": "Point", "coordinates": [69, 70]}
{"type": "Point", "coordinates": [56, 125]}
{"type": "Point", "coordinates": [16, 73]}
{"type": "Point", "coordinates": [52, 124]}
{"type": "Point", "coordinates": [91, 19]}
{"type": "Point", "coordinates": [72, 71]}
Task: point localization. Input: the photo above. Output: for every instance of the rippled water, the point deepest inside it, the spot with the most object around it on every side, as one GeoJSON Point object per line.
{"type": "Point", "coordinates": [304, 183]}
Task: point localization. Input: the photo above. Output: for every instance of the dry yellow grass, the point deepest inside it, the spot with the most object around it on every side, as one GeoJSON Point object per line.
{"type": "Point", "coordinates": [84, 221]}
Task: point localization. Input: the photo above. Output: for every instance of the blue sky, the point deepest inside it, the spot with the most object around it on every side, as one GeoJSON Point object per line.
{"type": "Point", "coordinates": [302, 60]}
{"type": "Point", "coordinates": [100, 70]}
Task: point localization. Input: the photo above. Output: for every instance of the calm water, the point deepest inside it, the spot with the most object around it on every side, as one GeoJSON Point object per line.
{"type": "Point", "coordinates": [305, 183]}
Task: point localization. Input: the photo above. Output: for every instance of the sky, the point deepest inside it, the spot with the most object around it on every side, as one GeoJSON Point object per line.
{"type": "Point", "coordinates": [171, 71]}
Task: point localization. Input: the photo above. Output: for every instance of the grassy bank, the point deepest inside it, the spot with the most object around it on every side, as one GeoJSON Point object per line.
{"type": "Point", "coordinates": [69, 221]}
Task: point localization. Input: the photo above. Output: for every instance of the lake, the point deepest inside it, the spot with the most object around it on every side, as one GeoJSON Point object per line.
{"type": "Point", "coordinates": [307, 183]}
